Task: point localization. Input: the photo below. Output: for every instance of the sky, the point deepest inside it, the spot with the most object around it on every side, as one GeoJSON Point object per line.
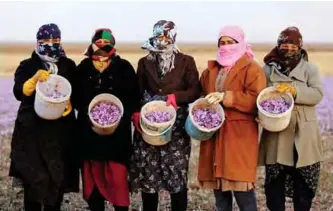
{"type": "Point", "coordinates": [197, 21]}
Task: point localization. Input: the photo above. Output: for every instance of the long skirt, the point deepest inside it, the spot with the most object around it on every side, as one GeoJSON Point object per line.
{"type": "Point", "coordinates": [155, 168]}
{"type": "Point", "coordinates": [110, 179]}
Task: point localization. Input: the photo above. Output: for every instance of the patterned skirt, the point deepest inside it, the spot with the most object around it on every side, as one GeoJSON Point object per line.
{"type": "Point", "coordinates": [155, 168]}
{"type": "Point", "coordinates": [309, 174]}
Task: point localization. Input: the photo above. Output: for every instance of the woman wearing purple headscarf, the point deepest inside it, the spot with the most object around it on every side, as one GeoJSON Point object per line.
{"type": "Point", "coordinates": [41, 149]}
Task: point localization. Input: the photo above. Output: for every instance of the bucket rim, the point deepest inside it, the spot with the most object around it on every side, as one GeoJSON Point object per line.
{"type": "Point", "coordinates": [203, 129]}
{"type": "Point", "coordinates": [110, 125]}
{"type": "Point", "coordinates": [172, 121]}
{"type": "Point", "coordinates": [52, 100]}
{"type": "Point", "coordinates": [271, 115]}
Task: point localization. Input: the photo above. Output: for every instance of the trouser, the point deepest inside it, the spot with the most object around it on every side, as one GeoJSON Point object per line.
{"type": "Point", "coordinates": [178, 201]}
{"type": "Point", "coordinates": [275, 193]}
{"type": "Point", "coordinates": [36, 206]}
{"type": "Point", "coordinates": [96, 202]}
{"type": "Point", "coordinates": [246, 201]}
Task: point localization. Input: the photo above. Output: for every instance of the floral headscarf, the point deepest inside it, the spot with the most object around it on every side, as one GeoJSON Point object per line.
{"type": "Point", "coordinates": [49, 52]}
{"type": "Point", "coordinates": [161, 50]}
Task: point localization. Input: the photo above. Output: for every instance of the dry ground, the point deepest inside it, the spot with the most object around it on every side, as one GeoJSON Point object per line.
{"type": "Point", "coordinates": [11, 199]}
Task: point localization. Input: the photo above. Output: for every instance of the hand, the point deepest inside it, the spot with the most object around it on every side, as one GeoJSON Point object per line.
{"type": "Point", "coordinates": [258, 121]}
{"type": "Point", "coordinates": [228, 99]}
{"type": "Point", "coordinates": [41, 75]}
{"type": "Point", "coordinates": [136, 120]}
{"type": "Point", "coordinates": [68, 109]}
{"type": "Point", "coordinates": [172, 101]}
{"type": "Point", "coordinates": [286, 88]}
{"type": "Point", "coordinates": [215, 97]}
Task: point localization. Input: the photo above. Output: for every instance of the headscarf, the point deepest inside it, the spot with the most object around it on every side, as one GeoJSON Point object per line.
{"type": "Point", "coordinates": [228, 55]}
{"type": "Point", "coordinates": [49, 52]}
{"type": "Point", "coordinates": [102, 48]}
{"type": "Point", "coordinates": [287, 60]}
{"type": "Point", "coordinates": [162, 51]}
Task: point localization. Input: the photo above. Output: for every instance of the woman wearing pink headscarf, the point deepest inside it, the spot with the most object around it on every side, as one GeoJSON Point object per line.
{"type": "Point", "coordinates": [228, 161]}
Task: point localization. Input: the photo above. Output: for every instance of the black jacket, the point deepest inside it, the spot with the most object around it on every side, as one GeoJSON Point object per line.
{"type": "Point", "coordinates": [120, 80]}
{"type": "Point", "coordinates": [41, 149]}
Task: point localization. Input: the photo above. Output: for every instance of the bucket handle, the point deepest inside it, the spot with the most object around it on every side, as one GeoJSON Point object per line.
{"type": "Point", "coordinates": [165, 131]}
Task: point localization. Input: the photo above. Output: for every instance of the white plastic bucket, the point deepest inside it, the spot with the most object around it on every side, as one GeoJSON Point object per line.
{"type": "Point", "coordinates": [105, 129]}
{"type": "Point", "coordinates": [274, 122]}
{"type": "Point", "coordinates": [49, 108]}
{"type": "Point", "coordinates": [157, 133]}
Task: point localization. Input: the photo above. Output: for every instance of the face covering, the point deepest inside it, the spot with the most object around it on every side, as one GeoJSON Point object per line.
{"type": "Point", "coordinates": [228, 55]}
{"type": "Point", "coordinates": [51, 50]}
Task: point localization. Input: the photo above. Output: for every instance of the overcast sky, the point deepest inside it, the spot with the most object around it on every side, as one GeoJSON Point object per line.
{"type": "Point", "coordinates": [196, 21]}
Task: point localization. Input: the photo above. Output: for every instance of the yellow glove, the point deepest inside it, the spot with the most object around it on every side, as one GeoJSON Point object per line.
{"type": "Point", "coordinates": [30, 85]}
{"type": "Point", "coordinates": [215, 97]}
{"type": "Point", "coordinates": [286, 88]}
{"type": "Point", "coordinates": [68, 109]}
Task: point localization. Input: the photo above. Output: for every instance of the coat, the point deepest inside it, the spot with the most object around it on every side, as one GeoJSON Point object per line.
{"type": "Point", "coordinates": [303, 130]}
{"type": "Point", "coordinates": [232, 153]}
{"type": "Point", "coordinates": [183, 81]}
{"type": "Point", "coordinates": [154, 168]}
{"type": "Point", "coordinates": [118, 79]}
{"type": "Point", "coordinates": [41, 150]}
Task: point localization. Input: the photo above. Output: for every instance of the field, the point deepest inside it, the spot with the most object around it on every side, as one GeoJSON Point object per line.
{"type": "Point", "coordinates": [11, 199]}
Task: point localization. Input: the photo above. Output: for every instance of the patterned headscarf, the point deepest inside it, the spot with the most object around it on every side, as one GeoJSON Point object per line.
{"type": "Point", "coordinates": [49, 52]}
{"type": "Point", "coordinates": [161, 50]}
{"type": "Point", "coordinates": [287, 59]}
{"type": "Point", "coordinates": [102, 45]}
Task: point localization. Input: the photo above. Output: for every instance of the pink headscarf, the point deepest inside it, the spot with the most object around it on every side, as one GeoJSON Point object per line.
{"type": "Point", "coordinates": [228, 55]}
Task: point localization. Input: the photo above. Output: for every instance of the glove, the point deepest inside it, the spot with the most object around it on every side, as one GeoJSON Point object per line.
{"type": "Point", "coordinates": [172, 101]}
{"type": "Point", "coordinates": [228, 99]}
{"type": "Point", "coordinates": [215, 97]}
{"type": "Point", "coordinates": [286, 88]}
{"type": "Point", "coordinates": [30, 85]}
{"type": "Point", "coordinates": [68, 109]}
{"type": "Point", "coordinates": [136, 120]}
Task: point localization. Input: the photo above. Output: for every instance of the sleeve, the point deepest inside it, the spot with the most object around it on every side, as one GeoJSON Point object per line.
{"type": "Point", "coordinates": [203, 81]}
{"type": "Point", "coordinates": [77, 83]}
{"type": "Point", "coordinates": [192, 82]}
{"type": "Point", "coordinates": [133, 91]}
{"type": "Point", "coordinates": [141, 77]}
{"type": "Point", "coordinates": [255, 82]}
{"type": "Point", "coordinates": [22, 74]}
{"type": "Point", "coordinates": [312, 93]}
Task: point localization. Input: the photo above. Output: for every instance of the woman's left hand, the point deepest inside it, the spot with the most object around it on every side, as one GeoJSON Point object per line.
{"type": "Point", "coordinates": [228, 99]}
{"type": "Point", "coordinates": [68, 109]}
{"type": "Point", "coordinates": [286, 88]}
{"type": "Point", "coordinates": [171, 100]}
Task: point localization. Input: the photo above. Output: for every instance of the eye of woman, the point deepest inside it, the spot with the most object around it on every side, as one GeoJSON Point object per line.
{"type": "Point", "coordinates": [227, 41]}
{"type": "Point", "coordinates": [160, 38]}
{"type": "Point", "coordinates": [290, 47]}
{"type": "Point", "coordinates": [52, 41]}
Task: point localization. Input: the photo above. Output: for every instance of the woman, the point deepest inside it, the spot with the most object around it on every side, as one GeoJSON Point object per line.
{"type": "Point", "coordinates": [164, 74]}
{"type": "Point", "coordinates": [228, 162]}
{"type": "Point", "coordinates": [105, 158]}
{"type": "Point", "coordinates": [41, 149]}
{"type": "Point", "coordinates": [292, 157]}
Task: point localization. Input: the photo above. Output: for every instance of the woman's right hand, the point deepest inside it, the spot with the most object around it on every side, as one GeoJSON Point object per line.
{"type": "Point", "coordinates": [136, 120]}
{"type": "Point", "coordinates": [41, 75]}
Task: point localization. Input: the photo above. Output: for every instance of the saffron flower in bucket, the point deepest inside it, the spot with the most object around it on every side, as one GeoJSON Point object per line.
{"type": "Point", "coordinates": [105, 113]}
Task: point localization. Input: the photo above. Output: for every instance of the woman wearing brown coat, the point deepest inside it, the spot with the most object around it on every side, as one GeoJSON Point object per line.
{"type": "Point", "coordinates": [228, 162]}
{"type": "Point", "coordinates": [292, 157]}
{"type": "Point", "coordinates": [164, 74]}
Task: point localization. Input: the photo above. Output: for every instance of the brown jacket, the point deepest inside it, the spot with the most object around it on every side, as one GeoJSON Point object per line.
{"type": "Point", "coordinates": [303, 130]}
{"type": "Point", "coordinates": [232, 153]}
{"type": "Point", "coordinates": [183, 81]}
